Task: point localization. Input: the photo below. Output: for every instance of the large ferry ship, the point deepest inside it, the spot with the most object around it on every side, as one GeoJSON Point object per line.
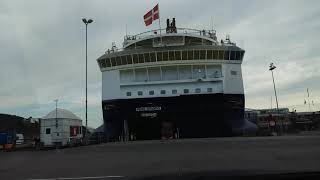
{"type": "Point", "coordinates": [173, 83]}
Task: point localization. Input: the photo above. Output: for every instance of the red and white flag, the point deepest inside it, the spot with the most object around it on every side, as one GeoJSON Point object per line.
{"type": "Point", "coordinates": [152, 15]}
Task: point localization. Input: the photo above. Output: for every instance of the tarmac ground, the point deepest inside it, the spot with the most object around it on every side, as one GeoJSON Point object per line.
{"type": "Point", "coordinates": [142, 158]}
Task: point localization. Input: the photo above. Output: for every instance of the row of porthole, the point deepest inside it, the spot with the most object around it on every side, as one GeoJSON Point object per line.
{"type": "Point", "coordinates": [174, 91]}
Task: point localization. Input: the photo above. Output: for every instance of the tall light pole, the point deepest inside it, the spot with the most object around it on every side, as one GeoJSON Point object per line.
{"type": "Point", "coordinates": [86, 22]}
{"type": "Point", "coordinates": [56, 100]}
{"type": "Point", "coordinates": [271, 68]}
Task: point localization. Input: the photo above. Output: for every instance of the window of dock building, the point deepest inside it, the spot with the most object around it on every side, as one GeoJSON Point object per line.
{"type": "Point", "coordinates": [220, 55]}
{"type": "Point", "coordinates": [165, 56]}
{"type": "Point", "coordinates": [177, 55]}
{"type": "Point", "coordinates": [209, 90]}
{"type": "Point", "coordinates": [140, 93]}
{"type": "Point", "coordinates": [113, 61]}
{"type": "Point", "coordinates": [202, 54]}
{"type": "Point", "coordinates": [233, 55]}
{"type": "Point", "coordinates": [151, 92]}
{"type": "Point", "coordinates": [128, 93]}
{"type": "Point", "coordinates": [241, 55]}
{"type": "Point", "coordinates": [198, 90]}
{"type": "Point", "coordinates": [118, 60]}
{"type": "Point", "coordinates": [184, 55]}
{"type": "Point", "coordinates": [129, 59]}
{"type": "Point", "coordinates": [108, 62]}
{"type": "Point", "coordinates": [159, 56]}
{"type": "Point", "coordinates": [135, 59]}
{"type": "Point", "coordinates": [174, 91]}
{"type": "Point", "coordinates": [146, 57]}
{"type": "Point", "coordinates": [171, 56]}
{"type": "Point", "coordinates": [153, 57]}
{"type": "Point", "coordinates": [190, 55]}
{"type": "Point", "coordinates": [209, 54]}
{"type": "Point", "coordinates": [163, 92]}
{"type": "Point", "coordinates": [48, 131]}
{"type": "Point", "coordinates": [186, 91]}
{"type": "Point", "coordinates": [196, 54]}
{"type": "Point", "coordinates": [141, 58]}
{"type": "Point", "coordinates": [226, 55]}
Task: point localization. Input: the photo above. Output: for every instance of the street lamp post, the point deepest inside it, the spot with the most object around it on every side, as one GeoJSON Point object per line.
{"type": "Point", "coordinates": [56, 100]}
{"type": "Point", "coordinates": [271, 68]}
{"type": "Point", "coordinates": [86, 22]}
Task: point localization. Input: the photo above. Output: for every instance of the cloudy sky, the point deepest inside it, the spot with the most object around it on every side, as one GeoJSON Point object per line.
{"type": "Point", "coordinates": [42, 48]}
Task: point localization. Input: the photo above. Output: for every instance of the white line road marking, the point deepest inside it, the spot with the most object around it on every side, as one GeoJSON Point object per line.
{"type": "Point", "coordinates": [90, 177]}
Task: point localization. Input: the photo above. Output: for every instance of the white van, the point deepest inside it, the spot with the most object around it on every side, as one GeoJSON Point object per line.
{"type": "Point", "coordinates": [19, 139]}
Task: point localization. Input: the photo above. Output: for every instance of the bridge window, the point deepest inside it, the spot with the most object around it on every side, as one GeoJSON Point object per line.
{"type": "Point", "coordinates": [226, 55]}
{"type": "Point", "coordinates": [190, 55]}
{"type": "Point", "coordinates": [169, 73]}
{"type": "Point", "coordinates": [203, 54]}
{"type": "Point", "coordinates": [141, 58]}
{"type": "Point", "coordinates": [159, 56]}
{"type": "Point", "coordinates": [141, 74]}
{"type": "Point", "coordinates": [140, 93]}
{"type": "Point", "coordinates": [165, 56]}
{"type": "Point", "coordinates": [199, 71]}
{"type": "Point", "coordinates": [177, 55]}
{"type": "Point", "coordinates": [209, 54]}
{"type": "Point", "coordinates": [209, 90]}
{"type": "Point", "coordinates": [151, 92]}
{"type": "Point", "coordinates": [108, 62]}
{"type": "Point", "coordinates": [123, 60]}
{"type": "Point", "coordinates": [184, 55]}
{"type": "Point", "coordinates": [154, 74]}
{"type": "Point", "coordinates": [163, 92]}
{"type": "Point", "coordinates": [146, 57]}
{"type": "Point", "coordinates": [171, 56]}
{"type": "Point", "coordinates": [128, 93]}
{"type": "Point", "coordinates": [198, 90]}
{"type": "Point", "coordinates": [129, 59]}
{"type": "Point", "coordinates": [152, 57]}
{"type": "Point", "coordinates": [196, 54]}
{"type": "Point", "coordinates": [185, 72]}
{"type": "Point", "coordinates": [135, 59]}
{"type": "Point", "coordinates": [215, 55]}
{"type": "Point", "coordinates": [186, 91]}
{"type": "Point", "coordinates": [113, 61]}
{"type": "Point", "coordinates": [220, 55]}
{"type": "Point", "coordinates": [118, 61]}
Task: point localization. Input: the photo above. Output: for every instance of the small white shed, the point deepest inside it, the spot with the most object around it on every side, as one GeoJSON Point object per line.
{"type": "Point", "coordinates": [60, 128]}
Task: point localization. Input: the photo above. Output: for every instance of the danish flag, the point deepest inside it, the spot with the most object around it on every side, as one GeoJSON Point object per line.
{"type": "Point", "coordinates": [152, 15]}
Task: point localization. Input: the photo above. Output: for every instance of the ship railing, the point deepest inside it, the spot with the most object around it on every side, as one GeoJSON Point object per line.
{"type": "Point", "coordinates": [207, 33]}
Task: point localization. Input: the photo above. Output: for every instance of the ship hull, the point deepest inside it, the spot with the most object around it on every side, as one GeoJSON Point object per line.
{"type": "Point", "coordinates": [191, 116]}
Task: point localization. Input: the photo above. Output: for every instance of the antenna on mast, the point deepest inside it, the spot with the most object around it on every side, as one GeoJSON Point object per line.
{"type": "Point", "coordinates": [211, 23]}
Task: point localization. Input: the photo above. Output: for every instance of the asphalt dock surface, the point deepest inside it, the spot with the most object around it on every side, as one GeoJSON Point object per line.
{"type": "Point", "coordinates": [142, 158]}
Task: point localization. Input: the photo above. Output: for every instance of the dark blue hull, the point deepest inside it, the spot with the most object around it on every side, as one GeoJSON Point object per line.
{"type": "Point", "coordinates": [191, 116]}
